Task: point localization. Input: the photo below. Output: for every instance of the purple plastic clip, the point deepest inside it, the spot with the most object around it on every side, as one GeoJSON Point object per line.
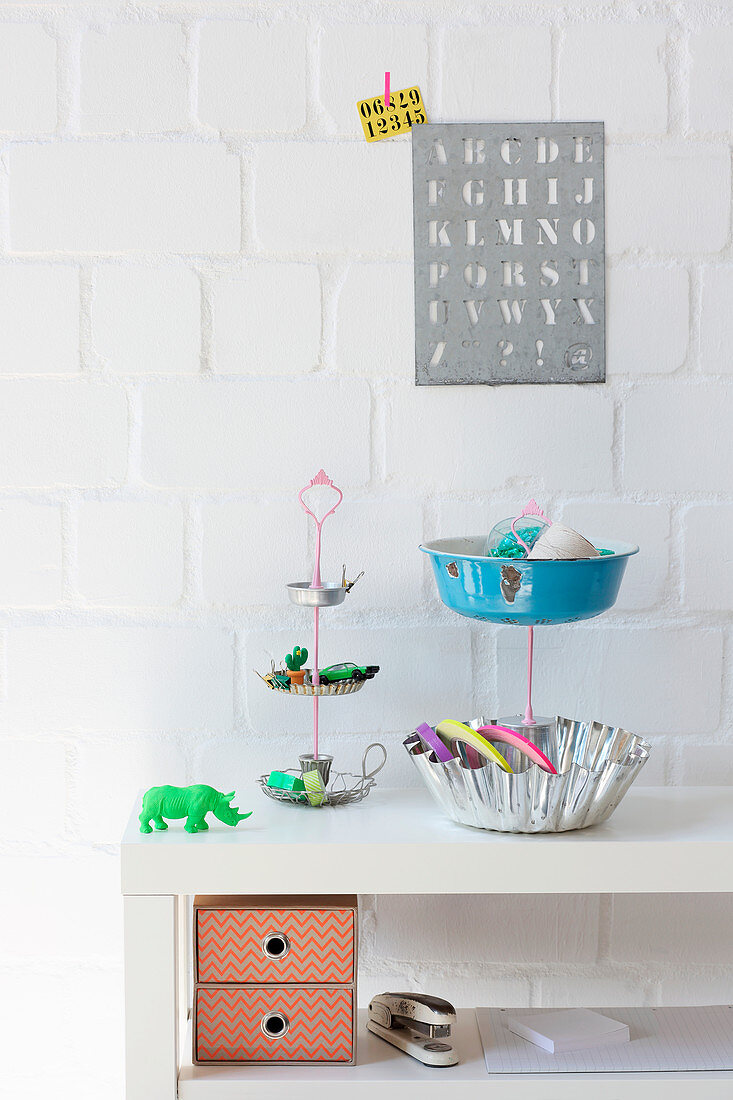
{"type": "Point", "coordinates": [430, 737]}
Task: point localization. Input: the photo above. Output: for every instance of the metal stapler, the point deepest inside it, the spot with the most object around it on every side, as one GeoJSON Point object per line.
{"type": "Point", "coordinates": [416, 1023]}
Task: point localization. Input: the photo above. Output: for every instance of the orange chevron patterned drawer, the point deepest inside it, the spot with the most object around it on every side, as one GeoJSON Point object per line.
{"type": "Point", "coordinates": [275, 945]}
{"type": "Point", "coordinates": [273, 1024]}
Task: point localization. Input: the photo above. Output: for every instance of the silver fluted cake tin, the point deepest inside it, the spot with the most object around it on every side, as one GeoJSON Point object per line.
{"type": "Point", "coordinates": [596, 765]}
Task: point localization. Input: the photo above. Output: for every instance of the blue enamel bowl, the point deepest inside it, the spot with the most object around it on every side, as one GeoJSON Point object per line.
{"type": "Point", "coordinates": [525, 593]}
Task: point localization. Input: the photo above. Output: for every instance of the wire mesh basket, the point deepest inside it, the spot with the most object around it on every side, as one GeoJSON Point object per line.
{"type": "Point", "coordinates": [344, 788]}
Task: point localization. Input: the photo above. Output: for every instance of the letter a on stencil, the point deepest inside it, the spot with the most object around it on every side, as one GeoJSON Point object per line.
{"type": "Point", "coordinates": [436, 153]}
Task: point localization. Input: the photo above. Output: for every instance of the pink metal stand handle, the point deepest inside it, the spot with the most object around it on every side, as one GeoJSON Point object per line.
{"type": "Point", "coordinates": [532, 509]}
{"type": "Point", "coordinates": [319, 479]}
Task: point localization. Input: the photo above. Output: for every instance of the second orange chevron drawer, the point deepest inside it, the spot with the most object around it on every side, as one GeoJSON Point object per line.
{"type": "Point", "coordinates": [235, 1024]}
{"type": "Point", "coordinates": [298, 943]}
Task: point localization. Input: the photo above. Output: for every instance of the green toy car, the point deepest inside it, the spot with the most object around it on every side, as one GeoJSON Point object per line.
{"type": "Point", "coordinates": [347, 671]}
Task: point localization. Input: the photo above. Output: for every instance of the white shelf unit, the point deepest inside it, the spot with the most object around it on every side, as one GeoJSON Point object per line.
{"type": "Point", "coordinates": [660, 840]}
{"type": "Point", "coordinates": [394, 1075]}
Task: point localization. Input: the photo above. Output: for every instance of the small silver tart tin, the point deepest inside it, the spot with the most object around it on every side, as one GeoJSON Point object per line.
{"type": "Point", "coordinates": [328, 595]}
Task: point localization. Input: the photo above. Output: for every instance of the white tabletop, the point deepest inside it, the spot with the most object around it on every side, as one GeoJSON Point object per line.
{"type": "Point", "coordinates": [660, 839]}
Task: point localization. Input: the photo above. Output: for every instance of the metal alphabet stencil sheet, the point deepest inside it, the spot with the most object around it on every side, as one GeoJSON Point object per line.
{"type": "Point", "coordinates": [509, 252]}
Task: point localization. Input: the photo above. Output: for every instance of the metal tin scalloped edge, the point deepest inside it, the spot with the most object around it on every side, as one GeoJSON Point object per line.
{"type": "Point", "coordinates": [596, 766]}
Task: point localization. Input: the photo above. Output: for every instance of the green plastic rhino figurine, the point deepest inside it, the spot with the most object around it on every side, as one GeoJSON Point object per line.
{"type": "Point", "coordinates": [193, 803]}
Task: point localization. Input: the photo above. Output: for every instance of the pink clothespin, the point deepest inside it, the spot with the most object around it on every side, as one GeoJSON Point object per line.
{"type": "Point", "coordinates": [386, 91]}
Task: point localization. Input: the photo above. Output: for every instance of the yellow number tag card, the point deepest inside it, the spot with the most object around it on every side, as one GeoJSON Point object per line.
{"type": "Point", "coordinates": [406, 109]}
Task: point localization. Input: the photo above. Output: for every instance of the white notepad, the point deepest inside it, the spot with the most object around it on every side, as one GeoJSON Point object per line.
{"type": "Point", "coordinates": [569, 1029]}
{"type": "Point", "coordinates": [661, 1039]}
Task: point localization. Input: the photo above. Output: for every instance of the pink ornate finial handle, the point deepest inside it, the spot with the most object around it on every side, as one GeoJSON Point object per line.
{"type": "Point", "coordinates": [319, 479]}
{"type": "Point", "coordinates": [531, 509]}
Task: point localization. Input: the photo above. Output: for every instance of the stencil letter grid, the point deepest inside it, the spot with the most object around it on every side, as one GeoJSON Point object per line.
{"type": "Point", "coordinates": [509, 253]}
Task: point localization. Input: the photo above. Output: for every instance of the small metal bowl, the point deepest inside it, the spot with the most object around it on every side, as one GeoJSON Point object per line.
{"type": "Point", "coordinates": [328, 595]}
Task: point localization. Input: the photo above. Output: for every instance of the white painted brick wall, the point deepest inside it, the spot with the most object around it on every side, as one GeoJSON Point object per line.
{"type": "Point", "coordinates": [120, 64]}
{"type": "Point", "coordinates": [516, 928]}
{"type": "Point", "coordinates": [252, 77]}
{"type": "Point", "coordinates": [249, 336]}
{"type": "Point", "coordinates": [668, 198]}
{"type": "Point", "coordinates": [27, 78]}
{"type": "Point", "coordinates": [83, 196]}
{"type": "Point", "coordinates": [146, 320]}
{"type": "Point", "coordinates": [39, 318]}
{"type": "Point", "coordinates": [648, 319]}
{"type": "Point", "coordinates": [30, 553]}
{"type": "Point", "coordinates": [42, 816]}
{"type": "Point", "coordinates": [62, 433]}
{"type": "Point", "coordinates": [330, 198]}
{"type": "Point", "coordinates": [615, 73]}
{"type": "Point", "coordinates": [655, 417]}
{"type": "Point", "coordinates": [130, 552]}
{"type": "Point", "coordinates": [480, 74]}
{"type": "Point", "coordinates": [715, 349]}
{"type": "Point", "coordinates": [219, 433]}
{"type": "Point", "coordinates": [711, 81]}
{"type": "Point", "coordinates": [208, 272]}
{"type": "Point", "coordinates": [464, 441]}
{"type": "Point", "coordinates": [119, 678]}
{"type": "Point", "coordinates": [362, 347]}
{"type": "Point", "coordinates": [708, 589]}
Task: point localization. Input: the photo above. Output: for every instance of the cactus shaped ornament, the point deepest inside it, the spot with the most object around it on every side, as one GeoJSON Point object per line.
{"type": "Point", "coordinates": [295, 662]}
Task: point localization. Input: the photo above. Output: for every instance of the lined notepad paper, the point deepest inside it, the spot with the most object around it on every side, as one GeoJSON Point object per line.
{"type": "Point", "coordinates": [661, 1039]}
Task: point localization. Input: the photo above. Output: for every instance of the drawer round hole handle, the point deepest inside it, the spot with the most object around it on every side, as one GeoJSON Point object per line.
{"type": "Point", "coordinates": [274, 1025]}
{"type": "Point", "coordinates": [275, 945]}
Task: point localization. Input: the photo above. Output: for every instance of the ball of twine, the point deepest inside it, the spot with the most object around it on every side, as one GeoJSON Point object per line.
{"type": "Point", "coordinates": [560, 543]}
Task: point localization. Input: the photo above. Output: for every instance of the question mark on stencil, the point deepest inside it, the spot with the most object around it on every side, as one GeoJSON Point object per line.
{"type": "Point", "coordinates": [506, 347]}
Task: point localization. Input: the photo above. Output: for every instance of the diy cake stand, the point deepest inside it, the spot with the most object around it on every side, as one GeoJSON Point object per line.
{"type": "Point", "coordinates": [592, 764]}
{"type": "Point", "coordinates": [315, 594]}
